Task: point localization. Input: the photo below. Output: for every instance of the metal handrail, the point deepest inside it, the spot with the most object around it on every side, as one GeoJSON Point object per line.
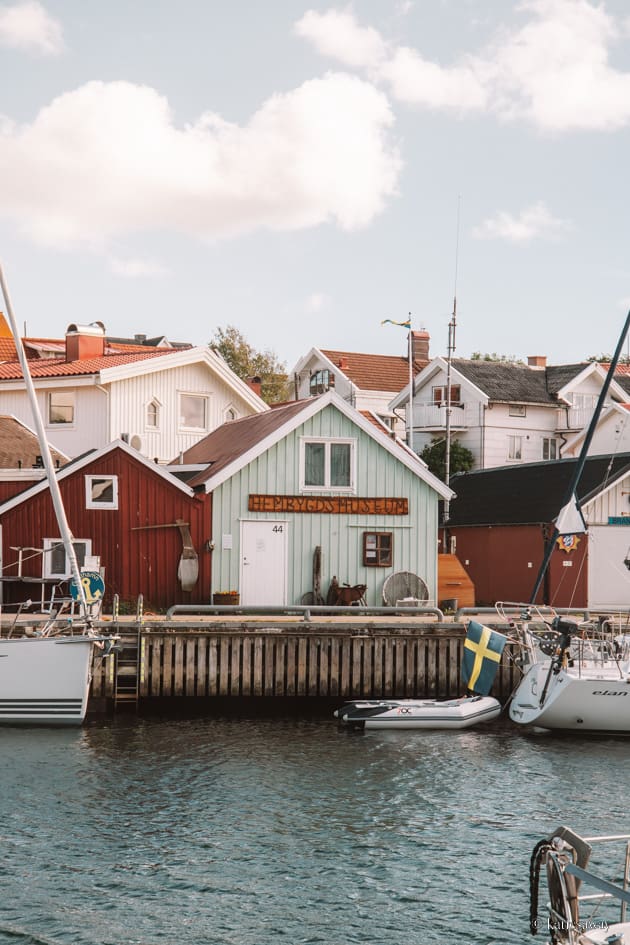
{"type": "Point", "coordinates": [518, 609]}
{"type": "Point", "coordinates": [306, 611]}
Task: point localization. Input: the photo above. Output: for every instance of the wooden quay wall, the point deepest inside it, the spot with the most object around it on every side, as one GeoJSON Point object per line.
{"type": "Point", "coordinates": [316, 661]}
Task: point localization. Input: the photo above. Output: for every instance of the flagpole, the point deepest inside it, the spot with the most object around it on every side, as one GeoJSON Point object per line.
{"type": "Point", "coordinates": [410, 423]}
{"type": "Point", "coordinates": [409, 419]}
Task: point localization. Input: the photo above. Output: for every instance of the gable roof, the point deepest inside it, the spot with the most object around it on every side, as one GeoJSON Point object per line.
{"type": "Point", "coordinates": [372, 371]}
{"type": "Point", "coordinates": [59, 367]}
{"type": "Point", "coordinates": [19, 446]}
{"type": "Point", "coordinates": [531, 493]}
{"type": "Point", "coordinates": [120, 366]}
{"type": "Point", "coordinates": [90, 457]}
{"type": "Point", "coordinates": [510, 381]}
{"type": "Point", "coordinates": [235, 444]}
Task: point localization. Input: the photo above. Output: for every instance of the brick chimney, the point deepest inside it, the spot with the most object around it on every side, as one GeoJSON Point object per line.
{"type": "Point", "coordinates": [420, 347]}
{"type": "Point", "coordinates": [85, 341]}
{"type": "Point", "coordinates": [255, 383]}
{"type": "Point", "coordinates": [344, 364]}
{"type": "Point", "coordinates": [537, 360]}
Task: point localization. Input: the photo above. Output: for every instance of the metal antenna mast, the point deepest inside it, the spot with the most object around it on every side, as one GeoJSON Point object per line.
{"type": "Point", "coordinates": [452, 325]}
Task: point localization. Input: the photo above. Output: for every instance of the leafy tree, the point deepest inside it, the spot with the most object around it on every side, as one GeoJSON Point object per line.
{"type": "Point", "coordinates": [511, 358]}
{"type": "Point", "coordinates": [607, 358]}
{"type": "Point", "coordinates": [246, 362]}
{"type": "Point", "coordinates": [434, 455]}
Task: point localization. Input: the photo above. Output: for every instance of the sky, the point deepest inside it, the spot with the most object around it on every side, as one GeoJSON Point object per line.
{"type": "Point", "coordinates": [304, 171]}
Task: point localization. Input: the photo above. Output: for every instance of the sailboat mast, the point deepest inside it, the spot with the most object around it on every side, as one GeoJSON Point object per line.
{"type": "Point", "coordinates": [571, 493]}
{"type": "Point", "coordinates": [449, 408]}
{"type": "Point", "coordinates": [55, 493]}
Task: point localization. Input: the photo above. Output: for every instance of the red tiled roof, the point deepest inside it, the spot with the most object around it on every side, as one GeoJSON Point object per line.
{"type": "Point", "coordinates": [374, 371]}
{"type": "Point", "coordinates": [55, 367]}
{"type": "Point", "coordinates": [7, 349]}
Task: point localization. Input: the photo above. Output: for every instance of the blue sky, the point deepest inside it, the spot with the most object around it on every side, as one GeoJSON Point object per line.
{"type": "Point", "coordinates": [303, 171]}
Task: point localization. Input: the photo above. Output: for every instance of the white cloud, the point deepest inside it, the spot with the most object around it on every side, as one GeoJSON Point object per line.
{"type": "Point", "coordinates": [535, 222]}
{"type": "Point", "coordinates": [28, 26]}
{"type": "Point", "coordinates": [553, 71]}
{"type": "Point", "coordinates": [338, 35]}
{"type": "Point", "coordinates": [107, 159]}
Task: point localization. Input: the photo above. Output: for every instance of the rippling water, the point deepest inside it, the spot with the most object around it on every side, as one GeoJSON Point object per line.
{"type": "Point", "coordinates": [260, 832]}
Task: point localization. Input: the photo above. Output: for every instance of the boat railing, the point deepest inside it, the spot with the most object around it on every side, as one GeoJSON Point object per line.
{"type": "Point", "coordinates": [573, 912]}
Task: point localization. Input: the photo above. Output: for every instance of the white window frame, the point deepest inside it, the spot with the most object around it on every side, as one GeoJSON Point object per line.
{"type": "Point", "coordinates": [181, 425]}
{"type": "Point", "coordinates": [48, 545]}
{"type": "Point", "coordinates": [329, 441]}
{"type": "Point", "coordinates": [517, 410]}
{"type": "Point", "coordinates": [91, 503]}
{"type": "Point", "coordinates": [546, 443]}
{"type": "Point", "coordinates": [60, 423]}
{"type": "Point", "coordinates": [155, 406]}
{"type": "Point", "coordinates": [515, 448]}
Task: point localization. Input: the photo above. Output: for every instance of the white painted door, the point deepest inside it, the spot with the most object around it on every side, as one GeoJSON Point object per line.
{"type": "Point", "coordinates": [264, 563]}
{"type": "Point", "coordinates": [608, 577]}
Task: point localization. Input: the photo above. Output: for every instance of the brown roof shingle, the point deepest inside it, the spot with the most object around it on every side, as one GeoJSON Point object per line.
{"type": "Point", "coordinates": [19, 446]}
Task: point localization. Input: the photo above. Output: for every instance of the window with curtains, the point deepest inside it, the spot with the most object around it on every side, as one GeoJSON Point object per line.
{"type": "Point", "coordinates": [327, 465]}
{"type": "Point", "coordinates": [55, 563]}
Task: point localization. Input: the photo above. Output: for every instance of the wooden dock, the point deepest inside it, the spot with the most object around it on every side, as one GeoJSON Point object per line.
{"type": "Point", "coordinates": [289, 661]}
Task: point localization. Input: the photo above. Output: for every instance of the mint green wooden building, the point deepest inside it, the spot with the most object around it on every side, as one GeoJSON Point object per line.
{"type": "Point", "coordinates": [314, 474]}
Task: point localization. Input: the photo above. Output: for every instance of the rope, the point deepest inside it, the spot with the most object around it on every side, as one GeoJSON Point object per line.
{"type": "Point", "coordinates": [539, 852]}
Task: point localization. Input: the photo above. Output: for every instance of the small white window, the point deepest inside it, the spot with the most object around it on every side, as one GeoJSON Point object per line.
{"type": "Point", "coordinates": [515, 447]}
{"type": "Point", "coordinates": [517, 410]}
{"type": "Point", "coordinates": [327, 465]}
{"type": "Point", "coordinates": [101, 492]}
{"type": "Point", "coordinates": [550, 448]}
{"type": "Point", "coordinates": [153, 415]}
{"type": "Point", "coordinates": [55, 563]}
{"type": "Point", "coordinates": [61, 406]}
{"type": "Point", "coordinates": [193, 409]}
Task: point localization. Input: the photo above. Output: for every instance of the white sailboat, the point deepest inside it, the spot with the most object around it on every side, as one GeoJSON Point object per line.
{"type": "Point", "coordinates": [579, 678]}
{"type": "Point", "coordinates": [45, 678]}
{"type": "Point", "coordinates": [588, 888]}
{"type": "Point", "coordinates": [575, 678]}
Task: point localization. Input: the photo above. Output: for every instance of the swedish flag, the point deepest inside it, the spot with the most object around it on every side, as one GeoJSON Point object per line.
{"type": "Point", "coordinates": [482, 654]}
{"type": "Point", "coordinates": [389, 321]}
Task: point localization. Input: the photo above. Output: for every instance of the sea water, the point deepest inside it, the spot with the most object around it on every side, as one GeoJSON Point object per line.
{"type": "Point", "coordinates": [263, 831]}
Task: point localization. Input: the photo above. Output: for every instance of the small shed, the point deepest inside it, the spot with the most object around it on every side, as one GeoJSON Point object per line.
{"type": "Point", "coordinates": [315, 481]}
{"type": "Point", "coordinates": [143, 528]}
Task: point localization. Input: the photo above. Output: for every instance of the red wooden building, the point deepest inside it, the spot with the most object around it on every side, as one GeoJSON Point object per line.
{"type": "Point", "coordinates": [146, 530]}
{"type": "Point", "coordinates": [501, 519]}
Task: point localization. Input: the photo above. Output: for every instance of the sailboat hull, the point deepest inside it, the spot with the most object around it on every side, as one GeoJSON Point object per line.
{"type": "Point", "coordinates": [594, 702]}
{"type": "Point", "coordinates": [44, 680]}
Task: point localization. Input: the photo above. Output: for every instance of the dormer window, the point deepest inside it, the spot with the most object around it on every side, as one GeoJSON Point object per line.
{"type": "Point", "coordinates": [320, 382]}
